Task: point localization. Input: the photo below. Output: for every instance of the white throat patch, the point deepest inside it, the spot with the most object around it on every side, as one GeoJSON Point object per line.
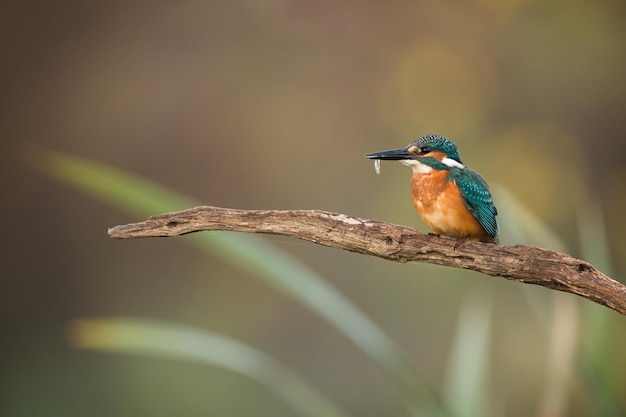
{"type": "Point", "coordinates": [416, 166]}
{"type": "Point", "coordinates": [420, 168]}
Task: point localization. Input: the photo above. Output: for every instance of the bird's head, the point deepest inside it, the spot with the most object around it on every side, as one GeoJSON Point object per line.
{"type": "Point", "coordinates": [428, 153]}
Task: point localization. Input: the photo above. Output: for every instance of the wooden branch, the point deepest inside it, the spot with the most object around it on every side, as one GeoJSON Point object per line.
{"type": "Point", "coordinates": [529, 264]}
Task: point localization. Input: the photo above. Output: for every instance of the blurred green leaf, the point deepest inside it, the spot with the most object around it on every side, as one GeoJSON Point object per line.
{"type": "Point", "coordinates": [560, 355]}
{"type": "Point", "coordinates": [143, 198]}
{"type": "Point", "coordinates": [124, 191]}
{"type": "Point", "coordinates": [599, 346]}
{"type": "Point", "coordinates": [525, 227]}
{"type": "Point", "coordinates": [466, 384]}
{"type": "Point", "coordinates": [521, 225]}
{"type": "Point", "coordinates": [597, 363]}
{"type": "Point", "coordinates": [174, 341]}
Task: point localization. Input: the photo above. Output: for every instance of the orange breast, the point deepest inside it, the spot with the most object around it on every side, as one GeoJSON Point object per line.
{"type": "Point", "coordinates": [441, 206]}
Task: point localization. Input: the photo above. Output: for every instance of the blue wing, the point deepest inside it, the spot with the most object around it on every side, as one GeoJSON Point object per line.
{"type": "Point", "coordinates": [477, 198]}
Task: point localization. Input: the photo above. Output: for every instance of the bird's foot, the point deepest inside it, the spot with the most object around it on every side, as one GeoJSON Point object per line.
{"type": "Point", "coordinates": [460, 241]}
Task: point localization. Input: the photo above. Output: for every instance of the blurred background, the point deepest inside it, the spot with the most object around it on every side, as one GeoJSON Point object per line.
{"type": "Point", "coordinates": [273, 104]}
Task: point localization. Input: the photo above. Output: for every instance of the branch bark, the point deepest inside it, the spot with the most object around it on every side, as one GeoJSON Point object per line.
{"type": "Point", "coordinates": [528, 264]}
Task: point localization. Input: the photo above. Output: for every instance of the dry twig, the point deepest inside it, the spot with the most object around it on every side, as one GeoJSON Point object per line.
{"type": "Point", "coordinates": [528, 264]}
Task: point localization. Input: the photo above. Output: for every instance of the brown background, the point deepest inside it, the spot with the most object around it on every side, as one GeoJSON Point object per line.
{"type": "Point", "coordinates": [272, 104]}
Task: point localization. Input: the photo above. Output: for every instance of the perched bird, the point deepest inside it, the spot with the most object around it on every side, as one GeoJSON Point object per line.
{"type": "Point", "coordinates": [451, 198]}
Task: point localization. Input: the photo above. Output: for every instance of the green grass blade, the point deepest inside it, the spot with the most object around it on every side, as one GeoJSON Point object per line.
{"type": "Point", "coordinates": [466, 386]}
{"type": "Point", "coordinates": [521, 225]}
{"type": "Point", "coordinates": [112, 186]}
{"type": "Point", "coordinates": [173, 341]}
{"type": "Point", "coordinates": [599, 346]}
{"type": "Point", "coordinates": [143, 198]}
{"type": "Point", "coordinates": [560, 355]}
{"type": "Point", "coordinates": [564, 314]}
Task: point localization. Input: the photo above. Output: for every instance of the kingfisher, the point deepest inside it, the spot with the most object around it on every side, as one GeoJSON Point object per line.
{"type": "Point", "coordinates": [451, 198]}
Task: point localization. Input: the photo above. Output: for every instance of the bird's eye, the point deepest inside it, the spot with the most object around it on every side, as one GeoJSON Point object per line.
{"type": "Point", "coordinates": [424, 150]}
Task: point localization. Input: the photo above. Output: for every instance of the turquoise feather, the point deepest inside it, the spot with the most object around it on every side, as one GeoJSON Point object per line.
{"type": "Point", "coordinates": [477, 198]}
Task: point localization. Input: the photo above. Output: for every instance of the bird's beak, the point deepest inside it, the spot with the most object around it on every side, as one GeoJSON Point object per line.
{"type": "Point", "coordinates": [392, 155]}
